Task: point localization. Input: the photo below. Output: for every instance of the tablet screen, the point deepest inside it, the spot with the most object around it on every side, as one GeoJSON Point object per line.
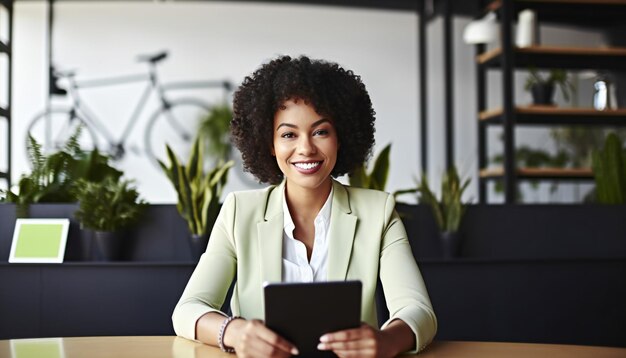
{"type": "Point", "coordinates": [303, 312]}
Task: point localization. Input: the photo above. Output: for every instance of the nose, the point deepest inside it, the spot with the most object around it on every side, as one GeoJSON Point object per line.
{"type": "Point", "coordinates": [306, 146]}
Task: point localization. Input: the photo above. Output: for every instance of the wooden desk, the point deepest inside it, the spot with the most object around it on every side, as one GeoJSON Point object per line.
{"type": "Point", "coordinates": [174, 347]}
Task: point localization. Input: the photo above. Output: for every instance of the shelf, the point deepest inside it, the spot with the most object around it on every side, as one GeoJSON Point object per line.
{"type": "Point", "coordinates": [552, 115]}
{"type": "Point", "coordinates": [581, 13]}
{"type": "Point", "coordinates": [596, 15]}
{"type": "Point", "coordinates": [104, 264]}
{"type": "Point", "coordinates": [579, 58]}
{"type": "Point", "coordinates": [4, 48]}
{"type": "Point", "coordinates": [4, 113]}
{"type": "Point", "coordinates": [4, 175]}
{"type": "Point", "coordinates": [540, 173]}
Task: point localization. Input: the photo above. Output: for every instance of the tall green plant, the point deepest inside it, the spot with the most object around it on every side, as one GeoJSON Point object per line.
{"type": "Point", "coordinates": [198, 192]}
{"type": "Point", "coordinates": [377, 178]}
{"type": "Point", "coordinates": [449, 209]}
{"type": "Point", "coordinates": [214, 131]}
{"type": "Point", "coordinates": [609, 170]}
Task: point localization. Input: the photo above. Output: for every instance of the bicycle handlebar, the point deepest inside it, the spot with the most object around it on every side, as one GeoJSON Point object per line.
{"type": "Point", "coordinates": [153, 58]}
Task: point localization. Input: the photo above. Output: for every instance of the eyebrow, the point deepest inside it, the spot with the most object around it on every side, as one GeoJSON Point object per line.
{"type": "Point", "coordinates": [315, 124]}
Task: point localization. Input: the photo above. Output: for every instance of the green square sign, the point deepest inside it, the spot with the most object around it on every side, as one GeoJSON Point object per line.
{"type": "Point", "coordinates": [39, 240]}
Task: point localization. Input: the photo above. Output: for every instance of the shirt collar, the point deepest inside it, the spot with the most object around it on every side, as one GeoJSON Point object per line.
{"type": "Point", "coordinates": [323, 215]}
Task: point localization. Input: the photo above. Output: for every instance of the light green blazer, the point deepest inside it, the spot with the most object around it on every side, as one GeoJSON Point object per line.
{"type": "Point", "coordinates": [366, 239]}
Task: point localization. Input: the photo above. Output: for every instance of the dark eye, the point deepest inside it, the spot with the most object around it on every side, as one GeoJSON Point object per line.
{"type": "Point", "coordinates": [321, 132]}
{"type": "Point", "coordinates": [287, 135]}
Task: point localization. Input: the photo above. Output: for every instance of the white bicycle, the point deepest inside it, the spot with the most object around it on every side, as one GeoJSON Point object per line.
{"type": "Point", "coordinates": [174, 121]}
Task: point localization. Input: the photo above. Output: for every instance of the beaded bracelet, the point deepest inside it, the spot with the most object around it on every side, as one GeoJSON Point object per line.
{"type": "Point", "coordinates": [220, 335]}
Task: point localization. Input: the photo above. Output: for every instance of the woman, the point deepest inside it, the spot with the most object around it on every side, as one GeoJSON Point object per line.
{"type": "Point", "coordinates": [298, 123]}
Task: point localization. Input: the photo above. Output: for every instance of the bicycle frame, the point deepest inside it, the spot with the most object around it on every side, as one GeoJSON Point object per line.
{"type": "Point", "coordinates": [153, 85]}
{"type": "Point", "coordinates": [89, 116]}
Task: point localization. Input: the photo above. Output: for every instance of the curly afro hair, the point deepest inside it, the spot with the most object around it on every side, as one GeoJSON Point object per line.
{"type": "Point", "coordinates": [332, 91]}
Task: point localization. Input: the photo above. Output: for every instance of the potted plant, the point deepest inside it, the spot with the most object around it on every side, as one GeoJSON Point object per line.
{"type": "Point", "coordinates": [53, 176]}
{"type": "Point", "coordinates": [377, 177]}
{"type": "Point", "coordinates": [198, 193]}
{"type": "Point", "coordinates": [447, 210]}
{"type": "Point", "coordinates": [542, 88]}
{"type": "Point", "coordinates": [106, 207]}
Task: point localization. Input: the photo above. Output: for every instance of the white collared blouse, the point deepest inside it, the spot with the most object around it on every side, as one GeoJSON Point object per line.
{"type": "Point", "coordinates": [296, 266]}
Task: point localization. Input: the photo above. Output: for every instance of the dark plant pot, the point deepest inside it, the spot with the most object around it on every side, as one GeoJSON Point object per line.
{"type": "Point", "coordinates": [86, 245]}
{"type": "Point", "coordinates": [450, 244]}
{"type": "Point", "coordinates": [197, 245]}
{"type": "Point", "coordinates": [108, 245]}
{"type": "Point", "coordinates": [543, 94]}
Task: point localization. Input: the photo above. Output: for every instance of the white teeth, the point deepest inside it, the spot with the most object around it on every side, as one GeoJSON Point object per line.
{"type": "Point", "coordinates": [307, 166]}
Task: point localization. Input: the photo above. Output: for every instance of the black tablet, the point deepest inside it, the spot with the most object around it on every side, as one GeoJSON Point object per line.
{"type": "Point", "coordinates": [303, 312]}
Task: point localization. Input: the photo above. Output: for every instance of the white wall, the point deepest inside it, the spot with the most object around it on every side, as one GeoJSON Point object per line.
{"type": "Point", "coordinates": [223, 40]}
{"type": "Point", "coordinates": [217, 40]}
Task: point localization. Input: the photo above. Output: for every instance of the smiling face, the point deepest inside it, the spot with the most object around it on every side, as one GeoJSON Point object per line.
{"type": "Point", "coordinates": [305, 146]}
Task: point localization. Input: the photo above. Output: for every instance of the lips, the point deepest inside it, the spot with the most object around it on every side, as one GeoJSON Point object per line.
{"type": "Point", "coordinates": [309, 167]}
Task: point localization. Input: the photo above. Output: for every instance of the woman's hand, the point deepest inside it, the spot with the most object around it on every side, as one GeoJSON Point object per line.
{"type": "Point", "coordinates": [253, 339]}
{"type": "Point", "coordinates": [364, 341]}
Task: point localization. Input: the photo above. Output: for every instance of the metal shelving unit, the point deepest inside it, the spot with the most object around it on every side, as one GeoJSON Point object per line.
{"type": "Point", "coordinates": [507, 58]}
{"type": "Point", "coordinates": [5, 112]}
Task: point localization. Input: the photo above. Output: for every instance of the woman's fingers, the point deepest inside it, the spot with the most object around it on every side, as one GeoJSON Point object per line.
{"type": "Point", "coordinates": [357, 342]}
{"type": "Point", "coordinates": [260, 341]}
{"type": "Point", "coordinates": [354, 334]}
{"type": "Point", "coordinates": [275, 340]}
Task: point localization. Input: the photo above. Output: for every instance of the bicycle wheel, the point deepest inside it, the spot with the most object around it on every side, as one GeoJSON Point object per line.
{"type": "Point", "coordinates": [175, 126]}
{"type": "Point", "coordinates": [53, 128]}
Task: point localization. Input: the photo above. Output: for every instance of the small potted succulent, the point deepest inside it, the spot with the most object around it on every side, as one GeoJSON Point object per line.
{"type": "Point", "coordinates": [542, 87]}
{"type": "Point", "coordinates": [107, 207]}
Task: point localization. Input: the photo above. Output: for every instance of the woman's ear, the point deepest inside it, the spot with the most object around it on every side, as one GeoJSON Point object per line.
{"type": "Point", "coordinates": [272, 150]}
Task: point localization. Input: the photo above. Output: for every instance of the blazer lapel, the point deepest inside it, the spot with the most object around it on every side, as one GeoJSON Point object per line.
{"type": "Point", "coordinates": [270, 236]}
{"type": "Point", "coordinates": [341, 234]}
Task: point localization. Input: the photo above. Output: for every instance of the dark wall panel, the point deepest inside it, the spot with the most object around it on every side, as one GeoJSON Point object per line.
{"type": "Point", "coordinates": [553, 274]}
{"type": "Point", "coordinates": [564, 301]}
{"type": "Point", "coordinates": [20, 301]}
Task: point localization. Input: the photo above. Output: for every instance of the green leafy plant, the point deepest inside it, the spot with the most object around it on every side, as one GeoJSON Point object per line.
{"type": "Point", "coordinates": [54, 176]}
{"type": "Point", "coordinates": [526, 157]}
{"type": "Point", "coordinates": [198, 192]}
{"type": "Point", "coordinates": [377, 177]}
{"type": "Point", "coordinates": [449, 208]}
{"type": "Point", "coordinates": [556, 77]}
{"type": "Point", "coordinates": [214, 131]}
{"type": "Point", "coordinates": [609, 170]}
{"type": "Point", "coordinates": [580, 141]}
{"type": "Point", "coordinates": [108, 205]}
{"type": "Point", "coordinates": [574, 149]}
